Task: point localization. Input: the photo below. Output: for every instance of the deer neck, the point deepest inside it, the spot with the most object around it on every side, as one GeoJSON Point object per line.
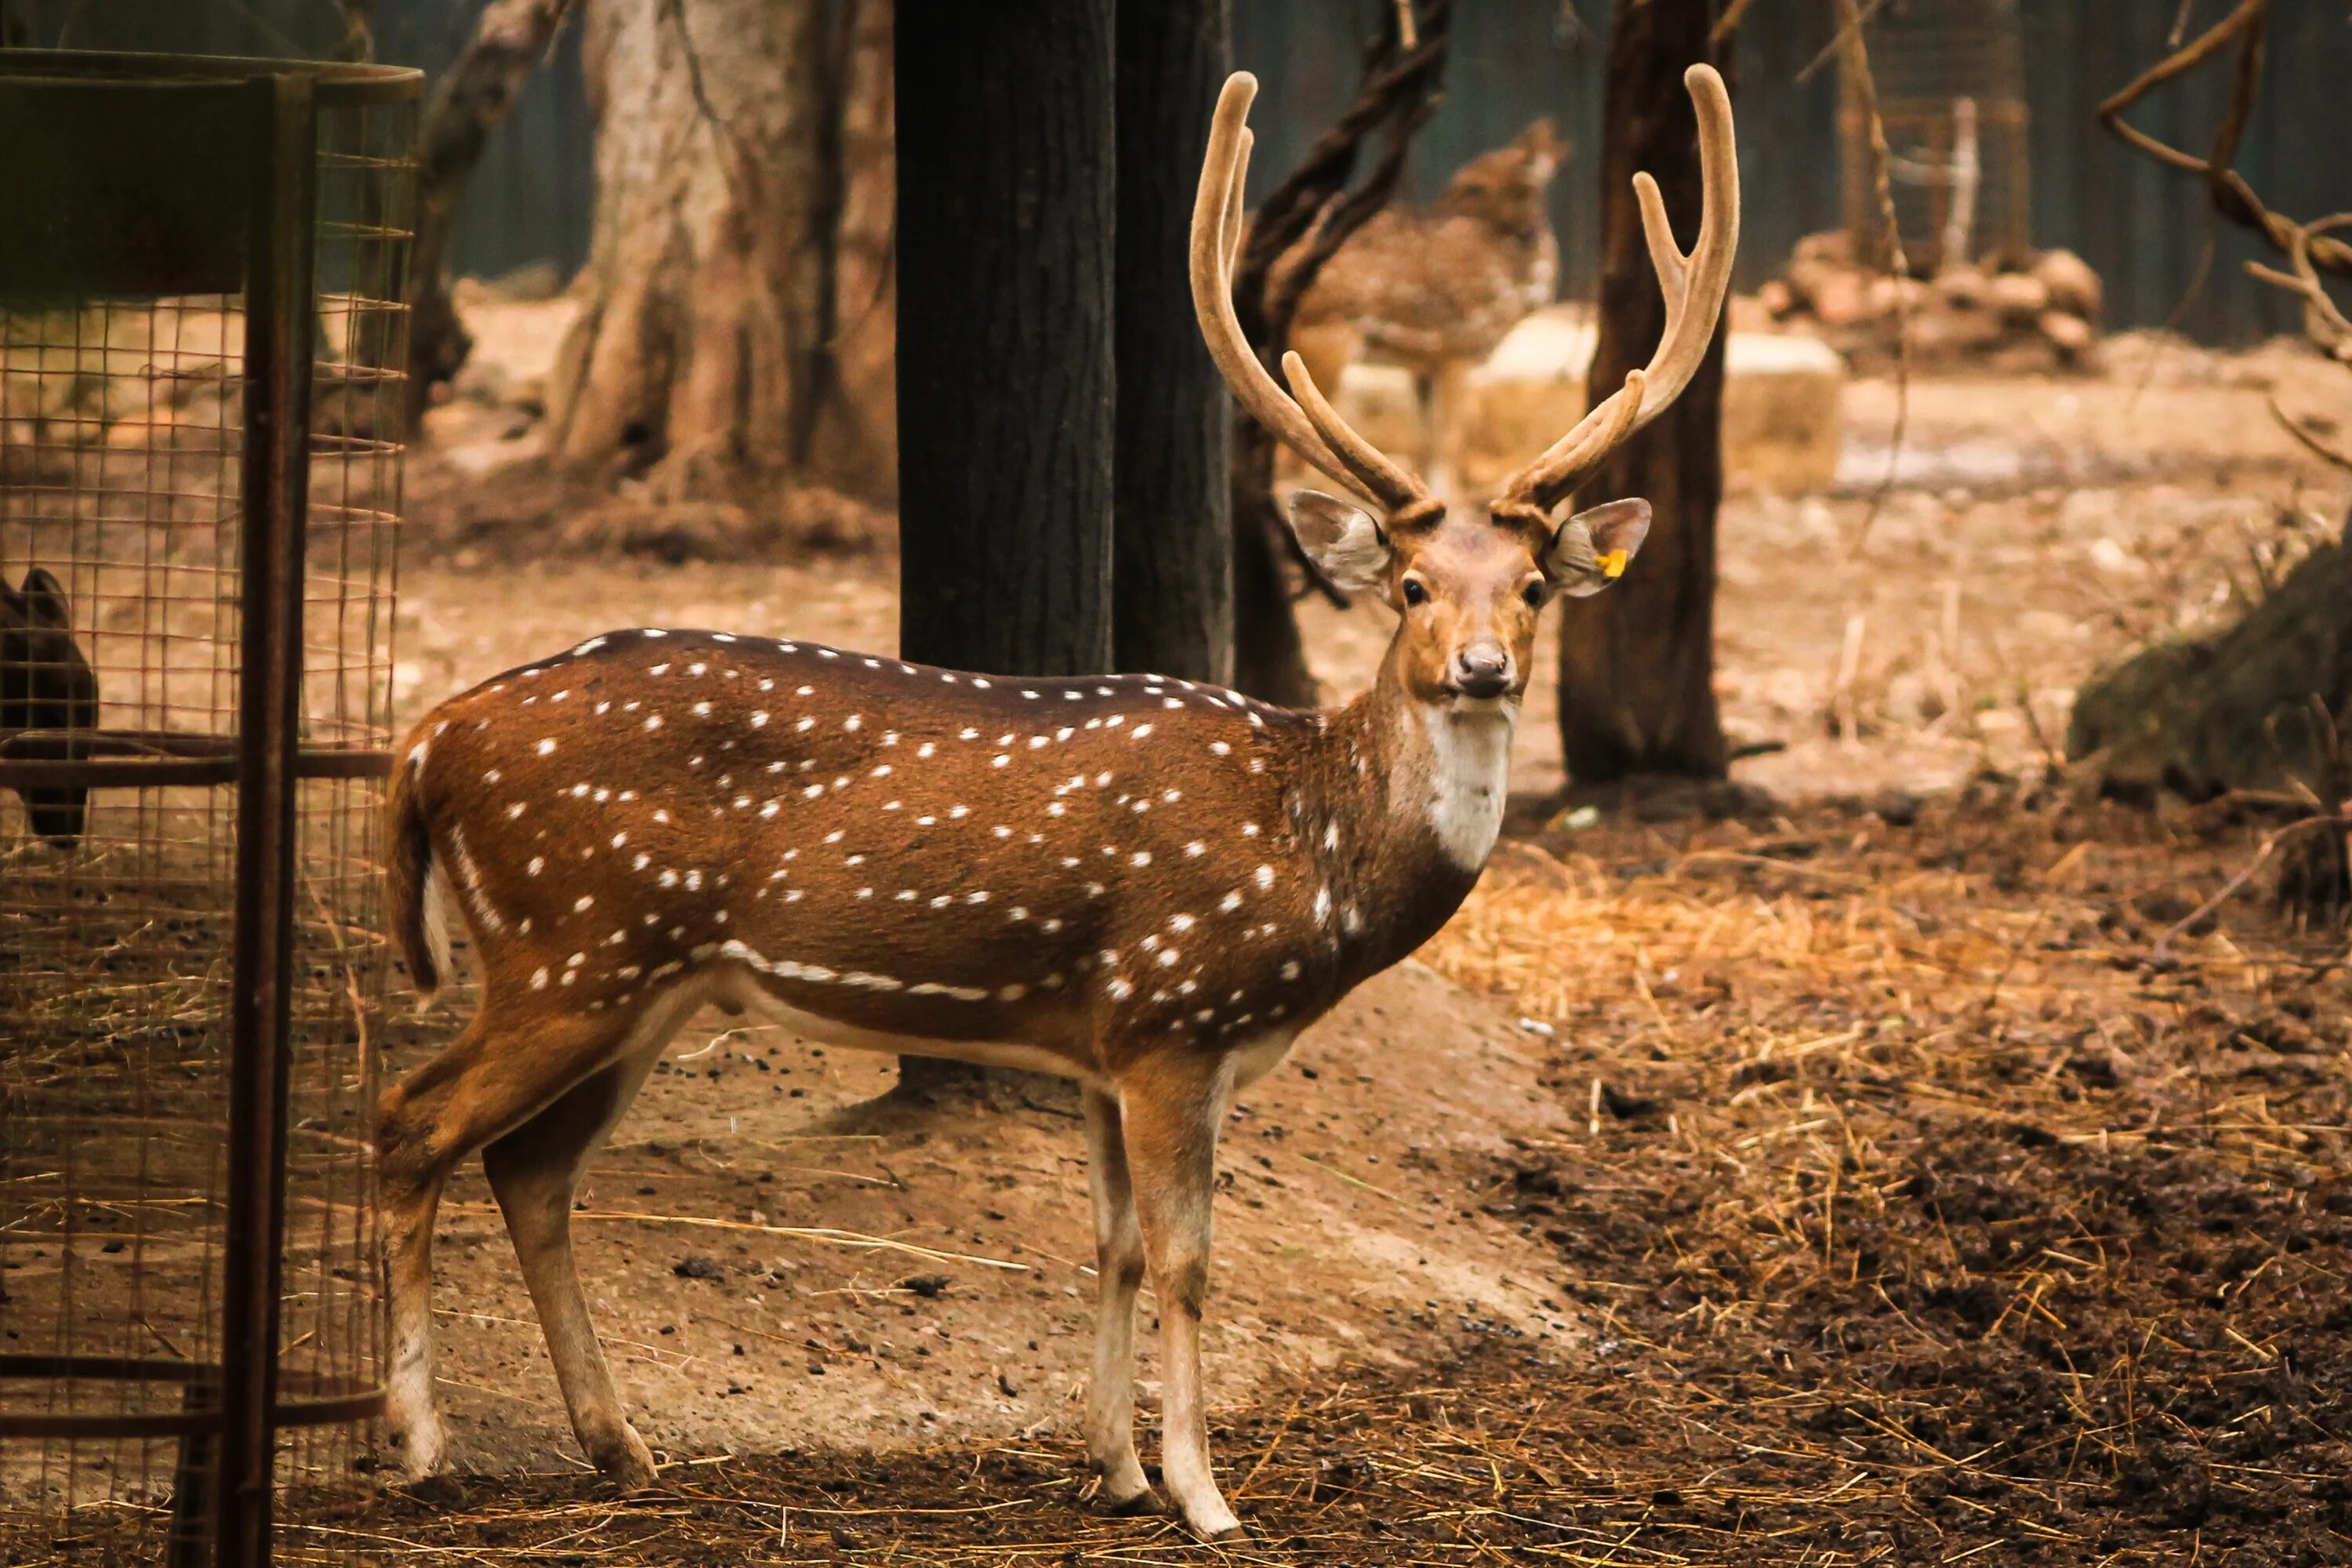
{"type": "Point", "coordinates": [1421, 787]}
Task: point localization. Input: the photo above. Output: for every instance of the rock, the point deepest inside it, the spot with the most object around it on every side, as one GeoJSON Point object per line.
{"type": "Point", "coordinates": [1885, 296]}
{"type": "Point", "coordinates": [2073, 287]}
{"type": "Point", "coordinates": [2019, 296]}
{"type": "Point", "coordinates": [1831, 247]}
{"type": "Point", "coordinates": [697, 1266]}
{"type": "Point", "coordinates": [1944, 334]}
{"type": "Point", "coordinates": [1962, 287]}
{"type": "Point", "coordinates": [2071, 334]}
{"type": "Point", "coordinates": [1840, 299]}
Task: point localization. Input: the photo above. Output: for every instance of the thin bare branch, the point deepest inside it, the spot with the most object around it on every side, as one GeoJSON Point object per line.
{"type": "Point", "coordinates": [1899, 266]}
{"type": "Point", "coordinates": [2245, 28]}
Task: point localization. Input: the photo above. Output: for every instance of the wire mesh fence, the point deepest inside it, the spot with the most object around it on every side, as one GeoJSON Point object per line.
{"type": "Point", "coordinates": [1950, 78]}
{"type": "Point", "coordinates": [160, 433]}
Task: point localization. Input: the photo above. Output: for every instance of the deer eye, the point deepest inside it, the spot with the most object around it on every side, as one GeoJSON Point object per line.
{"type": "Point", "coordinates": [1534, 594]}
{"type": "Point", "coordinates": [1414, 593]}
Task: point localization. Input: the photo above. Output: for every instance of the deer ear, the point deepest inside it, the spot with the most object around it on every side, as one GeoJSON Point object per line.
{"type": "Point", "coordinates": [1342, 539]}
{"type": "Point", "coordinates": [45, 600]}
{"type": "Point", "coordinates": [1593, 548]}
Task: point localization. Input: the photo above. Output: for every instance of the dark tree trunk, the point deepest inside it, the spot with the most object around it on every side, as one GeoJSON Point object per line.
{"type": "Point", "coordinates": [1005, 199]}
{"type": "Point", "coordinates": [1172, 572]}
{"type": "Point", "coordinates": [1637, 663]}
{"type": "Point", "coordinates": [2233, 710]}
{"type": "Point", "coordinates": [1270, 655]}
{"type": "Point", "coordinates": [473, 95]}
{"type": "Point", "coordinates": [1005, 226]}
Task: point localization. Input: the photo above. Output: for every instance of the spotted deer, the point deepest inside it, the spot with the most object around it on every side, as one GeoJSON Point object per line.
{"type": "Point", "coordinates": [1148, 885]}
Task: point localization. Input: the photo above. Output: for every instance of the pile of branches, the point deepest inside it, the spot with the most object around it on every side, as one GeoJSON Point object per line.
{"type": "Point", "coordinates": [2022, 313]}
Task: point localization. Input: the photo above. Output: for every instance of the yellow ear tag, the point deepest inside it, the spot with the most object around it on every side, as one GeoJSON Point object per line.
{"type": "Point", "coordinates": [1613, 565]}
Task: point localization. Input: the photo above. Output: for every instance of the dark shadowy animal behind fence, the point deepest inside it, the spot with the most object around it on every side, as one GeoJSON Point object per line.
{"type": "Point", "coordinates": [47, 694]}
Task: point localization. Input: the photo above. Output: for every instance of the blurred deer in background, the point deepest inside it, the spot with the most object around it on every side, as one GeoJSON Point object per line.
{"type": "Point", "coordinates": [1436, 291]}
{"type": "Point", "coordinates": [1141, 883]}
{"type": "Point", "coordinates": [46, 693]}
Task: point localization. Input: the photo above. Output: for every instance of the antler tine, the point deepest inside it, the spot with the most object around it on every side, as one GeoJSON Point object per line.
{"type": "Point", "coordinates": [1393, 484]}
{"type": "Point", "coordinates": [1216, 241]}
{"type": "Point", "coordinates": [1693, 284]}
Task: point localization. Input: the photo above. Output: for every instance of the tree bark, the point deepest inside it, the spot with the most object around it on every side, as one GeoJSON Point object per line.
{"type": "Point", "coordinates": [472, 97]}
{"type": "Point", "coordinates": [1005, 335]}
{"type": "Point", "coordinates": [1005, 199]}
{"type": "Point", "coordinates": [855, 448]}
{"type": "Point", "coordinates": [1172, 550]}
{"type": "Point", "coordinates": [2232, 711]}
{"type": "Point", "coordinates": [1270, 655]}
{"type": "Point", "coordinates": [1637, 663]}
{"type": "Point", "coordinates": [697, 347]}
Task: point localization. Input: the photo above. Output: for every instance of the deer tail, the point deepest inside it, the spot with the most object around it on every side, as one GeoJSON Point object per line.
{"type": "Point", "coordinates": [416, 883]}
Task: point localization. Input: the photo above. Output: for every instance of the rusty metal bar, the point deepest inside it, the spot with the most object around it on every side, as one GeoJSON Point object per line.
{"type": "Point", "coordinates": [275, 490]}
{"type": "Point", "coordinates": [323, 1401]}
{"type": "Point", "coordinates": [194, 770]}
{"type": "Point", "coordinates": [341, 85]}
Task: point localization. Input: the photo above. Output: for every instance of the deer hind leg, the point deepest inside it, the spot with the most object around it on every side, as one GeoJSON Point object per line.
{"type": "Point", "coordinates": [1169, 1111]}
{"type": "Point", "coordinates": [1118, 1270]}
{"type": "Point", "coordinates": [505, 1066]}
{"type": "Point", "coordinates": [535, 1171]}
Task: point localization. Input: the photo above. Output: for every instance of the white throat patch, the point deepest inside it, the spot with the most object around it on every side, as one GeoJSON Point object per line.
{"type": "Point", "coordinates": [1470, 766]}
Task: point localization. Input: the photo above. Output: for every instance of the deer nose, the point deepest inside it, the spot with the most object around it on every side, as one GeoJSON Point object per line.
{"type": "Point", "coordinates": [1482, 669]}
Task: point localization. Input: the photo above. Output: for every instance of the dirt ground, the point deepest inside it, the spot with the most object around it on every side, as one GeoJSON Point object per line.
{"type": "Point", "coordinates": [1823, 1172]}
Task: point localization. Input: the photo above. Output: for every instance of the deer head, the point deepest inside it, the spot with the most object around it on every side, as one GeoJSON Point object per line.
{"type": "Point", "coordinates": [47, 691]}
{"type": "Point", "coordinates": [1507, 186]}
{"type": "Point", "coordinates": [1468, 585]}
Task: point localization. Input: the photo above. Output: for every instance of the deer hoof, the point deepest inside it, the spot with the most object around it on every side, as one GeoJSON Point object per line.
{"type": "Point", "coordinates": [1144, 1501]}
{"type": "Point", "coordinates": [626, 1462]}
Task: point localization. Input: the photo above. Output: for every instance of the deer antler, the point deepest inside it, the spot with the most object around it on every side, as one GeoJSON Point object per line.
{"type": "Point", "coordinates": [1315, 432]}
{"type": "Point", "coordinates": [1693, 286]}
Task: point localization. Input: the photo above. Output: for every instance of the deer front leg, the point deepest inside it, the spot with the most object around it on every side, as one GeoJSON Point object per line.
{"type": "Point", "coordinates": [534, 1171]}
{"type": "Point", "coordinates": [1118, 1270]}
{"type": "Point", "coordinates": [1169, 1111]}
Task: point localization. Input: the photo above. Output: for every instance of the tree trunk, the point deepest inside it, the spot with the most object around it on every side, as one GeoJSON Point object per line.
{"type": "Point", "coordinates": [472, 96]}
{"type": "Point", "coordinates": [1637, 663]}
{"type": "Point", "coordinates": [699, 337]}
{"type": "Point", "coordinates": [1269, 655]}
{"type": "Point", "coordinates": [857, 445]}
{"type": "Point", "coordinates": [2232, 711]}
{"type": "Point", "coordinates": [1006, 309]}
{"type": "Point", "coordinates": [1172, 572]}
